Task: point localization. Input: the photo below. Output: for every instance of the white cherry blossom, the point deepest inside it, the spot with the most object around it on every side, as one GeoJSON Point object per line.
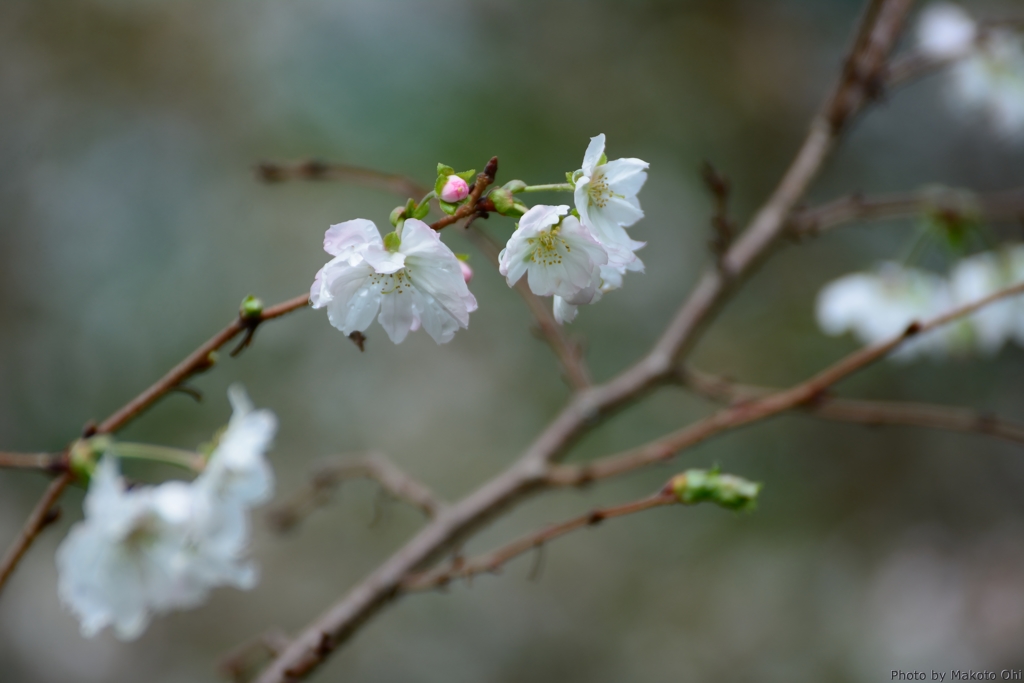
{"type": "Point", "coordinates": [238, 471]}
{"type": "Point", "coordinates": [982, 275]}
{"type": "Point", "coordinates": [418, 283]}
{"type": "Point", "coordinates": [946, 31]}
{"type": "Point", "coordinates": [148, 550]}
{"type": "Point", "coordinates": [606, 199]}
{"type": "Point", "coordinates": [992, 81]}
{"type": "Point", "coordinates": [556, 253]}
{"type": "Point", "coordinates": [876, 307]}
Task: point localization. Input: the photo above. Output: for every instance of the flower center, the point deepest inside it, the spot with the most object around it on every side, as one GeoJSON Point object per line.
{"type": "Point", "coordinates": [599, 191]}
{"type": "Point", "coordinates": [546, 250]}
{"type": "Point", "coordinates": [392, 283]}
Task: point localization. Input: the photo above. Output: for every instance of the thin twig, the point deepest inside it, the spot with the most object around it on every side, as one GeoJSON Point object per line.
{"type": "Point", "coordinates": [331, 474]}
{"type": "Point", "coordinates": [238, 663]}
{"type": "Point", "coordinates": [492, 562]}
{"type": "Point", "coordinates": [828, 407]}
{"type": "Point", "coordinates": [196, 362]}
{"type": "Point", "coordinates": [52, 462]}
{"type": "Point", "coordinates": [1002, 206]}
{"type": "Point", "coordinates": [312, 169]}
{"type": "Point", "coordinates": [744, 413]}
{"type": "Point", "coordinates": [42, 516]}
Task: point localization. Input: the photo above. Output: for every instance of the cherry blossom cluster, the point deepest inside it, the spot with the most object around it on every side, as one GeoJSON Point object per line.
{"type": "Point", "coordinates": [410, 279]}
{"type": "Point", "coordinates": [147, 550]}
{"type": "Point", "coordinates": [876, 306]}
{"type": "Point", "coordinates": [988, 75]}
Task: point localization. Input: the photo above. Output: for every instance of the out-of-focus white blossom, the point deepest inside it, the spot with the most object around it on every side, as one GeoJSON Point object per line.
{"type": "Point", "coordinates": [418, 282]}
{"type": "Point", "coordinates": [148, 550]}
{"type": "Point", "coordinates": [556, 253]}
{"type": "Point", "coordinates": [946, 31]}
{"type": "Point", "coordinates": [606, 199]}
{"type": "Point", "coordinates": [876, 307]}
{"type": "Point", "coordinates": [985, 274]}
{"type": "Point", "coordinates": [238, 471]}
{"type": "Point", "coordinates": [992, 81]}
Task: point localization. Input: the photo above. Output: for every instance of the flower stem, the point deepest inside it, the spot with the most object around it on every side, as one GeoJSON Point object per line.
{"type": "Point", "coordinates": [554, 187]}
{"type": "Point", "coordinates": [171, 456]}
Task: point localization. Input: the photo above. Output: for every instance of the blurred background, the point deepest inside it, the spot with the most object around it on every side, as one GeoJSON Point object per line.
{"type": "Point", "coordinates": [131, 226]}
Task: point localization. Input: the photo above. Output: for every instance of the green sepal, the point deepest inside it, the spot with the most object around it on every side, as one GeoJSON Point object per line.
{"type": "Point", "coordinates": [514, 186]}
{"type": "Point", "coordinates": [462, 257]}
{"type": "Point", "coordinates": [468, 176]}
{"type": "Point", "coordinates": [603, 160]}
{"type": "Point", "coordinates": [443, 171]}
{"type": "Point", "coordinates": [448, 208]}
{"type": "Point", "coordinates": [421, 211]}
{"type": "Point", "coordinates": [392, 241]}
{"type": "Point", "coordinates": [726, 490]}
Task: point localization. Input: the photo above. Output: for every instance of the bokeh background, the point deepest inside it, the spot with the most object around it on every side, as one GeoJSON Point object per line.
{"type": "Point", "coordinates": [131, 225]}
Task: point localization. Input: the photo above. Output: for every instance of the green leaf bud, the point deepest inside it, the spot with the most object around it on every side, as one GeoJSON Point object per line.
{"type": "Point", "coordinates": [251, 308]}
{"type": "Point", "coordinates": [728, 491]}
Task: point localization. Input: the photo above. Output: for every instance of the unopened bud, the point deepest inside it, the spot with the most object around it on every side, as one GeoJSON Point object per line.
{"type": "Point", "coordinates": [455, 189]}
{"type": "Point", "coordinates": [251, 308]}
{"type": "Point", "coordinates": [515, 186]}
{"type": "Point", "coordinates": [467, 272]}
{"type": "Point", "coordinates": [397, 216]}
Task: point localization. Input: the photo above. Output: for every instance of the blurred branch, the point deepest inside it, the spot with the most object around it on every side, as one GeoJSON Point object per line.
{"type": "Point", "coordinates": [41, 517]}
{"type": "Point", "coordinates": [313, 169]}
{"type": "Point", "coordinates": [330, 475]}
{"type": "Point", "coordinates": [993, 206]}
{"type": "Point", "coordinates": [52, 462]}
{"type": "Point", "coordinates": [569, 353]}
{"type": "Point", "coordinates": [492, 562]}
{"type": "Point", "coordinates": [198, 361]}
{"type": "Point", "coordinates": [858, 85]}
{"type": "Point", "coordinates": [238, 664]}
{"type": "Point", "coordinates": [872, 413]}
{"type": "Point", "coordinates": [805, 394]}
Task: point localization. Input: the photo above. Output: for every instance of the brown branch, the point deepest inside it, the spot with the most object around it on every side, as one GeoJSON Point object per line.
{"type": "Point", "coordinates": [51, 462]}
{"type": "Point", "coordinates": [492, 562]}
{"type": "Point", "coordinates": [312, 169]}
{"type": "Point", "coordinates": [588, 408]}
{"type": "Point", "coordinates": [330, 475]}
{"type": "Point", "coordinates": [196, 362]}
{"type": "Point", "coordinates": [569, 353]}
{"type": "Point", "coordinates": [1002, 206]}
{"type": "Point", "coordinates": [42, 516]}
{"type": "Point", "coordinates": [238, 663]}
{"type": "Point", "coordinates": [807, 393]}
{"type": "Point", "coordinates": [872, 413]}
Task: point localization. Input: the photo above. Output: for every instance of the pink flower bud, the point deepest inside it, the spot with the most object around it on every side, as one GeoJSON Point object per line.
{"type": "Point", "coordinates": [455, 189]}
{"type": "Point", "coordinates": [467, 272]}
